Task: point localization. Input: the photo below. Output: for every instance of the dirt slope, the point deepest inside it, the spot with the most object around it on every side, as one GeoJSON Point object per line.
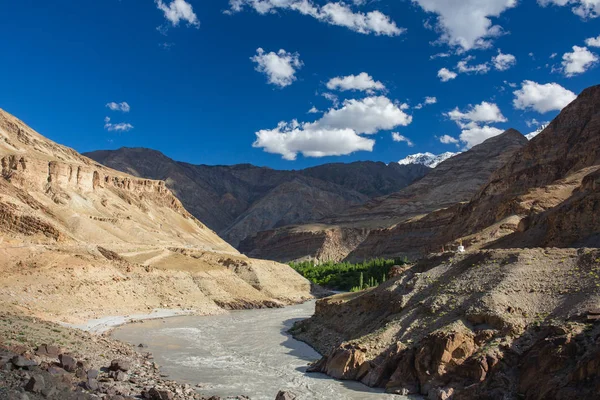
{"type": "Point", "coordinates": [81, 241]}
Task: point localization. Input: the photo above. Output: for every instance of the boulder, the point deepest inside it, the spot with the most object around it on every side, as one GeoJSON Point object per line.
{"type": "Point", "coordinates": [120, 365]}
{"type": "Point", "coordinates": [35, 384]}
{"type": "Point", "coordinates": [47, 350]}
{"type": "Point", "coordinates": [22, 362]}
{"type": "Point", "coordinates": [68, 363]}
{"type": "Point", "coordinates": [284, 395]}
{"type": "Point", "coordinates": [345, 363]}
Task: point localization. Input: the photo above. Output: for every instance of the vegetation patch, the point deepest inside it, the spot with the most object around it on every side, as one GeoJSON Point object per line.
{"type": "Point", "coordinates": [346, 276]}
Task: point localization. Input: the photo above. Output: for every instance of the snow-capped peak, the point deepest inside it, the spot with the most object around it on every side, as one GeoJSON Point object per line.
{"type": "Point", "coordinates": [533, 134]}
{"type": "Point", "coordinates": [428, 159]}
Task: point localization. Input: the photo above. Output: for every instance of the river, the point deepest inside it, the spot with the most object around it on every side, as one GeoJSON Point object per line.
{"type": "Point", "coordinates": [242, 353]}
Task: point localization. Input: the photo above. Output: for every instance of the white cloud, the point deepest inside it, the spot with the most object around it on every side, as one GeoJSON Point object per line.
{"type": "Point", "coordinates": [340, 14]}
{"type": "Point", "coordinates": [337, 132]}
{"type": "Point", "coordinates": [484, 112]}
{"type": "Point", "coordinates": [446, 75]}
{"type": "Point", "coordinates": [553, 55]}
{"type": "Point", "coordinates": [280, 68]}
{"type": "Point", "coordinates": [178, 10]}
{"type": "Point", "coordinates": [363, 82]}
{"type": "Point", "coordinates": [120, 127]}
{"type": "Point", "coordinates": [579, 61]}
{"type": "Point", "coordinates": [396, 137]}
{"type": "Point", "coordinates": [464, 68]}
{"type": "Point", "coordinates": [368, 115]}
{"type": "Point", "coordinates": [314, 110]}
{"type": "Point", "coordinates": [331, 97]}
{"type": "Point", "coordinates": [447, 139]}
{"type": "Point", "coordinates": [467, 23]}
{"type": "Point", "coordinates": [582, 8]}
{"type": "Point", "coordinates": [428, 100]}
{"type": "Point", "coordinates": [593, 42]}
{"type": "Point", "coordinates": [502, 62]}
{"type": "Point", "coordinates": [475, 134]}
{"type": "Point", "coordinates": [542, 98]}
{"type": "Point", "coordinates": [124, 107]}
{"type": "Point", "coordinates": [469, 121]}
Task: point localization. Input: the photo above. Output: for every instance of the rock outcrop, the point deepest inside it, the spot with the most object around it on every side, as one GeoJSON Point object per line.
{"type": "Point", "coordinates": [240, 200]}
{"type": "Point", "coordinates": [82, 241]}
{"type": "Point", "coordinates": [497, 324]}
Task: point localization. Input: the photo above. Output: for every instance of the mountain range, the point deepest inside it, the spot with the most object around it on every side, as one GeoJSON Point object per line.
{"type": "Point", "coordinates": [240, 200]}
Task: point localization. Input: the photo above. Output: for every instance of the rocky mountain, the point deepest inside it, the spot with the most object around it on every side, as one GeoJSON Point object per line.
{"type": "Point", "coordinates": [453, 181]}
{"type": "Point", "coordinates": [516, 316]}
{"type": "Point", "coordinates": [428, 159]}
{"type": "Point", "coordinates": [238, 201]}
{"type": "Point", "coordinates": [544, 195]}
{"type": "Point", "coordinates": [82, 241]}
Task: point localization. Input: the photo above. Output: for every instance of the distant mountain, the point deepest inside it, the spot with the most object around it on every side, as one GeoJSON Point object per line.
{"type": "Point", "coordinates": [533, 134]}
{"type": "Point", "coordinates": [428, 159]}
{"type": "Point", "coordinates": [239, 200]}
{"type": "Point", "coordinates": [453, 181]}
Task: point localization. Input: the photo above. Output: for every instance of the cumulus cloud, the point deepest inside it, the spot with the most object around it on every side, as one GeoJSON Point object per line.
{"type": "Point", "coordinates": [337, 132]}
{"type": "Point", "coordinates": [314, 110]}
{"type": "Point", "coordinates": [280, 68]}
{"type": "Point", "coordinates": [447, 139]}
{"type": "Point", "coordinates": [467, 24]}
{"type": "Point", "coordinates": [579, 61]}
{"type": "Point", "coordinates": [582, 8]}
{"type": "Point", "coordinates": [502, 62]}
{"type": "Point", "coordinates": [340, 14]}
{"type": "Point", "coordinates": [428, 100]}
{"type": "Point", "coordinates": [396, 137]}
{"type": "Point", "coordinates": [474, 134]}
{"type": "Point", "coordinates": [464, 68]}
{"type": "Point", "coordinates": [471, 120]}
{"type": "Point", "coordinates": [332, 98]}
{"type": "Point", "coordinates": [446, 75]}
{"type": "Point", "coordinates": [542, 97]}
{"type": "Point", "coordinates": [363, 82]}
{"type": "Point", "coordinates": [177, 11]}
{"type": "Point", "coordinates": [120, 127]}
{"type": "Point", "coordinates": [367, 115]}
{"type": "Point", "coordinates": [124, 107]}
{"type": "Point", "coordinates": [593, 42]}
{"type": "Point", "coordinates": [484, 112]}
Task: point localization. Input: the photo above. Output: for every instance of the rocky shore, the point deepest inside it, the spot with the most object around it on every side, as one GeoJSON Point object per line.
{"type": "Point", "coordinates": [43, 360]}
{"type": "Point", "coordinates": [495, 325]}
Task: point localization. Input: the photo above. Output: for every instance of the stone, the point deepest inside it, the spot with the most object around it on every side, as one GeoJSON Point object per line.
{"type": "Point", "coordinates": [284, 395]}
{"type": "Point", "coordinates": [92, 385]}
{"type": "Point", "coordinates": [22, 362]}
{"type": "Point", "coordinates": [155, 394]}
{"type": "Point", "coordinates": [46, 350]}
{"type": "Point", "coordinates": [120, 365]}
{"type": "Point", "coordinates": [35, 384]}
{"type": "Point", "coordinates": [67, 362]}
{"type": "Point", "coordinates": [54, 370]}
{"type": "Point", "coordinates": [92, 374]}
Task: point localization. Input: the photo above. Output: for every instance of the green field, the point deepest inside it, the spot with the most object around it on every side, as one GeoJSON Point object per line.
{"type": "Point", "coordinates": [347, 276]}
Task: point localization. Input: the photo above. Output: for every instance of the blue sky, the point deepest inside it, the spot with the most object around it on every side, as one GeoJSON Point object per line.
{"type": "Point", "coordinates": [195, 88]}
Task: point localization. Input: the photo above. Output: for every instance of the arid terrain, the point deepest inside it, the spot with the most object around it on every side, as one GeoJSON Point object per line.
{"type": "Point", "coordinates": [517, 315]}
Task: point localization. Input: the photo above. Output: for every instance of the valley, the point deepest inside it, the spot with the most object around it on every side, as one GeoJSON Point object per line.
{"type": "Point", "coordinates": [478, 278]}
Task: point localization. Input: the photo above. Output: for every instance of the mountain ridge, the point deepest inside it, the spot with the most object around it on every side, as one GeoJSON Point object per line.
{"type": "Point", "coordinates": [237, 201]}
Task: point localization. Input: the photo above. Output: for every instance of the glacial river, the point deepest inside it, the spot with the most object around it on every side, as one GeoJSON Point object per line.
{"type": "Point", "coordinates": [242, 353]}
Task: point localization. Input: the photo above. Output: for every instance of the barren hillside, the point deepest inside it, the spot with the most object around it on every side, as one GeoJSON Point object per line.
{"type": "Point", "coordinates": [82, 241]}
